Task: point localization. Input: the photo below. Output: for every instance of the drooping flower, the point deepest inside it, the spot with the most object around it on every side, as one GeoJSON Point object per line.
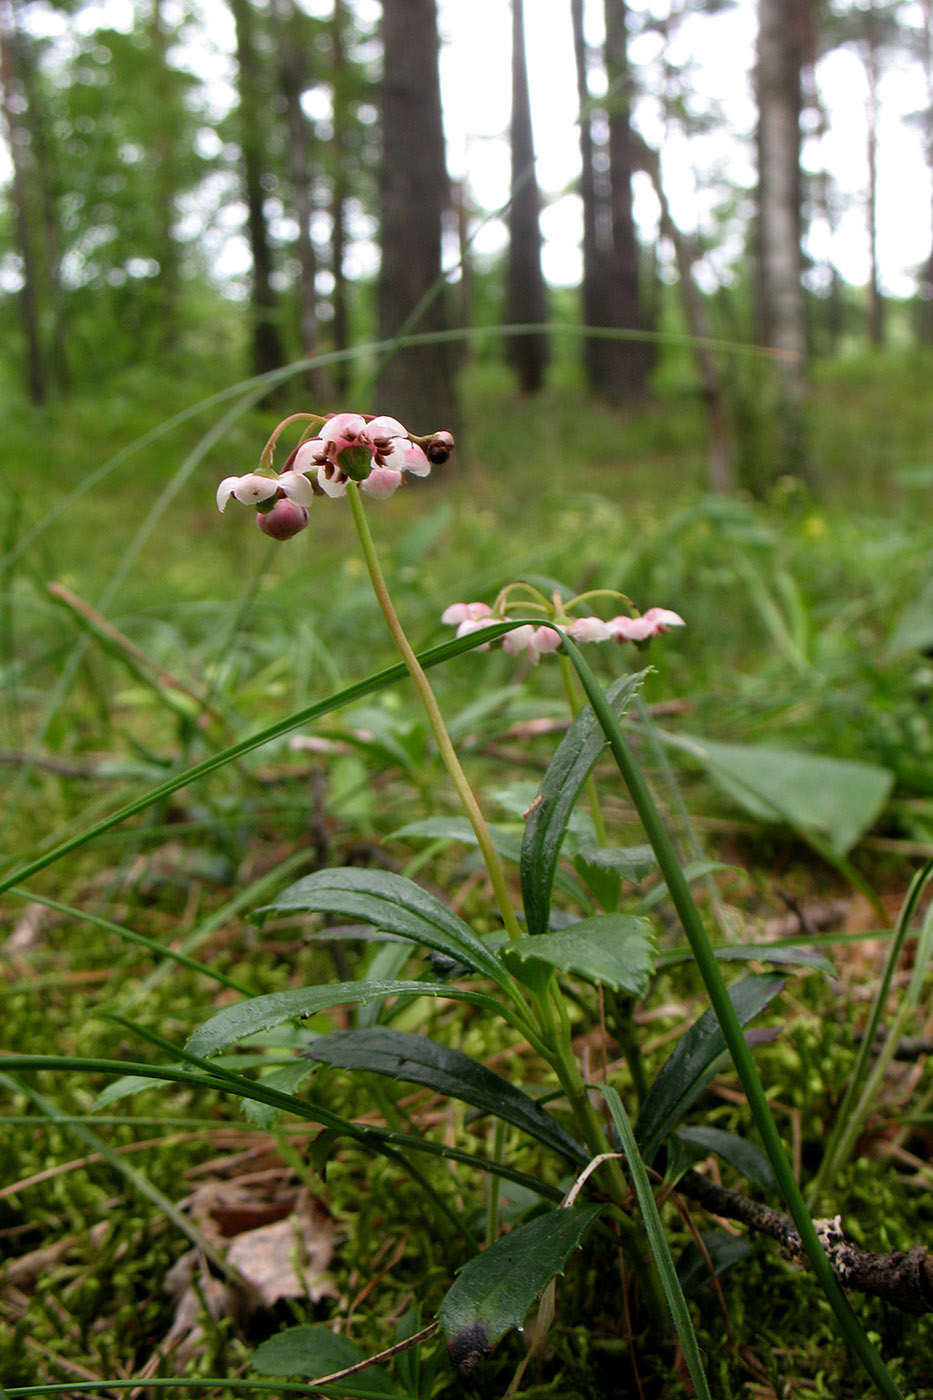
{"type": "Point", "coordinates": [640, 629]}
{"type": "Point", "coordinates": [377, 453]}
{"type": "Point", "coordinates": [535, 642]}
{"type": "Point", "coordinates": [253, 488]}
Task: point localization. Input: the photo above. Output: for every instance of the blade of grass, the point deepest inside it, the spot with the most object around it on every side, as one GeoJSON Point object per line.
{"type": "Point", "coordinates": [658, 1241]}
{"type": "Point", "coordinates": [708, 966]}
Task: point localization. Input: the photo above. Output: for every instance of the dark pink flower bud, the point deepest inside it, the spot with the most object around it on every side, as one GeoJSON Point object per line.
{"type": "Point", "coordinates": [438, 447]}
{"type": "Point", "coordinates": [285, 519]}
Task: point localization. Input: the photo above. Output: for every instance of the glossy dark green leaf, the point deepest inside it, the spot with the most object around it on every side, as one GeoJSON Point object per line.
{"type": "Point", "coordinates": [248, 1018]}
{"type": "Point", "coordinates": [691, 1066]}
{"type": "Point", "coordinates": [506, 843]}
{"type": "Point", "coordinates": [612, 950]}
{"type": "Point", "coordinates": [311, 1351]}
{"type": "Point", "coordinates": [417, 1060]}
{"type": "Point", "coordinates": [782, 955]}
{"type": "Point", "coordinates": [392, 904]}
{"type": "Point", "coordinates": [723, 1251]}
{"type": "Point", "coordinates": [748, 1159]}
{"type": "Point", "coordinates": [547, 822]}
{"type": "Point", "coordinates": [493, 1292]}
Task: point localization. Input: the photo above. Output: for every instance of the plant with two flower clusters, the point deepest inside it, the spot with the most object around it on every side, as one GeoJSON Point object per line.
{"type": "Point", "coordinates": [585, 1149]}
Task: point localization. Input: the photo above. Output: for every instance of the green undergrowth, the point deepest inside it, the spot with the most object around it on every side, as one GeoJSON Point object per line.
{"type": "Point", "coordinates": [182, 633]}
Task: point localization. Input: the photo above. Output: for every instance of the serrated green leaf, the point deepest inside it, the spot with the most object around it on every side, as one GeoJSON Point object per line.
{"type": "Point", "coordinates": [691, 1065]}
{"type": "Point", "coordinates": [246, 1018]}
{"type": "Point", "coordinates": [311, 1351]}
{"type": "Point", "coordinates": [494, 1291]}
{"type": "Point", "coordinates": [415, 1059]}
{"type": "Point", "coordinates": [393, 904]}
{"type": "Point", "coordinates": [547, 822]}
{"type": "Point", "coordinates": [612, 950]}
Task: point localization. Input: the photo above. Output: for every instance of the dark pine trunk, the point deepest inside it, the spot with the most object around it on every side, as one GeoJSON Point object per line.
{"type": "Point", "coordinates": [526, 295]}
{"type": "Point", "coordinates": [415, 383]}
{"type": "Point", "coordinates": [267, 350]}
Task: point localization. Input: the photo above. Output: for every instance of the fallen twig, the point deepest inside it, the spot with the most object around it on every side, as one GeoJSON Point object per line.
{"type": "Point", "coordinates": [904, 1278]}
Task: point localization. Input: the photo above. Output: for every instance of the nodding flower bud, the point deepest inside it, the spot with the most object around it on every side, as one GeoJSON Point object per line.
{"type": "Point", "coordinates": [438, 447]}
{"type": "Point", "coordinates": [284, 520]}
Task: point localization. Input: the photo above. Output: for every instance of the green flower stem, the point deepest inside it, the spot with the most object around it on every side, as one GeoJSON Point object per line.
{"type": "Point", "coordinates": [742, 1058]}
{"type": "Point", "coordinates": [435, 718]}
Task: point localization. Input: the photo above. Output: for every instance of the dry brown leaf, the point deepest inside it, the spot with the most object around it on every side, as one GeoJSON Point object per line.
{"type": "Point", "coordinates": [288, 1258]}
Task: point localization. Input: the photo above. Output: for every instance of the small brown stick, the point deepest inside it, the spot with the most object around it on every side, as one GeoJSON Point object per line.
{"type": "Point", "coordinates": [378, 1359]}
{"type": "Point", "coordinates": [904, 1278]}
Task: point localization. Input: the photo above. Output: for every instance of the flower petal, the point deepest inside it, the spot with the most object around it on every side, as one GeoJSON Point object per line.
{"type": "Point", "coordinates": [588, 629]}
{"type": "Point", "coordinates": [382, 429]}
{"type": "Point", "coordinates": [381, 482]}
{"type": "Point", "coordinates": [460, 612]}
{"type": "Point", "coordinates": [296, 487]}
{"type": "Point", "coordinates": [308, 456]}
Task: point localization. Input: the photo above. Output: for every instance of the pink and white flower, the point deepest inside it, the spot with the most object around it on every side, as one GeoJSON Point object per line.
{"type": "Point", "coordinates": [640, 629]}
{"type": "Point", "coordinates": [253, 488]}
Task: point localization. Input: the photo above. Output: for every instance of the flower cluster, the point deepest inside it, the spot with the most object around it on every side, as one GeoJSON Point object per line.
{"type": "Point", "coordinates": [534, 642]}
{"type": "Point", "coordinates": [375, 452]}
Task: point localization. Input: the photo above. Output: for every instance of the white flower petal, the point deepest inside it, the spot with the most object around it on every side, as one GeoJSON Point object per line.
{"type": "Point", "coordinates": [297, 488]}
{"type": "Point", "coordinates": [252, 488]}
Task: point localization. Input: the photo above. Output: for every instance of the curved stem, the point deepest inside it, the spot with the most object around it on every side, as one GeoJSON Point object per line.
{"type": "Point", "coordinates": [435, 718]}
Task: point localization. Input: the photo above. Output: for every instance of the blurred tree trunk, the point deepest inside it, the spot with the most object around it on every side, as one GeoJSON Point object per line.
{"type": "Point", "coordinates": [165, 183]}
{"type": "Point", "coordinates": [925, 317]}
{"type": "Point", "coordinates": [526, 295]}
{"type": "Point", "coordinates": [617, 369]}
{"type": "Point", "coordinates": [267, 350]}
{"type": "Point", "coordinates": [721, 466]}
{"type": "Point", "coordinates": [784, 43]}
{"type": "Point", "coordinates": [294, 80]}
{"type": "Point", "coordinates": [416, 383]}
{"type": "Point", "coordinates": [13, 107]}
{"type": "Point", "coordinates": [593, 275]}
{"type": "Point", "coordinates": [630, 360]}
{"type": "Point", "coordinates": [872, 63]}
{"type": "Point", "coordinates": [340, 192]}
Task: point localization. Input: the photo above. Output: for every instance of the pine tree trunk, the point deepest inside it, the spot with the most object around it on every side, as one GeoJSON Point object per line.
{"type": "Point", "coordinates": [340, 193]}
{"type": "Point", "coordinates": [629, 359]}
{"type": "Point", "coordinates": [783, 36]}
{"type": "Point", "coordinates": [415, 383]}
{"type": "Point", "coordinates": [526, 295]}
{"type": "Point", "coordinates": [267, 351]}
{"type": "Point", "coordinates": [594, 350]}
{"type": "Point", "coordinates": [293, 77]}
{"type": "Point", "coordinates": [11, 106]}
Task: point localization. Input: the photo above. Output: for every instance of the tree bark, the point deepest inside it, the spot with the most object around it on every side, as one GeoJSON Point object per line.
{"type": "Point", "coordinates": [17, 141]}
{"type": "Point", "coordinates": [294, 80]}
{"type": "Point", "coordinates": [415, 384]}
{"type": "Point", "coordinates": [593, 274]}
{"type": "Point", "coordinates": [629, 359]}
{"type": "Point", "coordinates": [721, 467]}
{"type": "Point", "coordinates": [784, 41]}
{"type": "Point", "coordinates": [267, 350]}
{"type": "Point", "coordinates": [526, 295]}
